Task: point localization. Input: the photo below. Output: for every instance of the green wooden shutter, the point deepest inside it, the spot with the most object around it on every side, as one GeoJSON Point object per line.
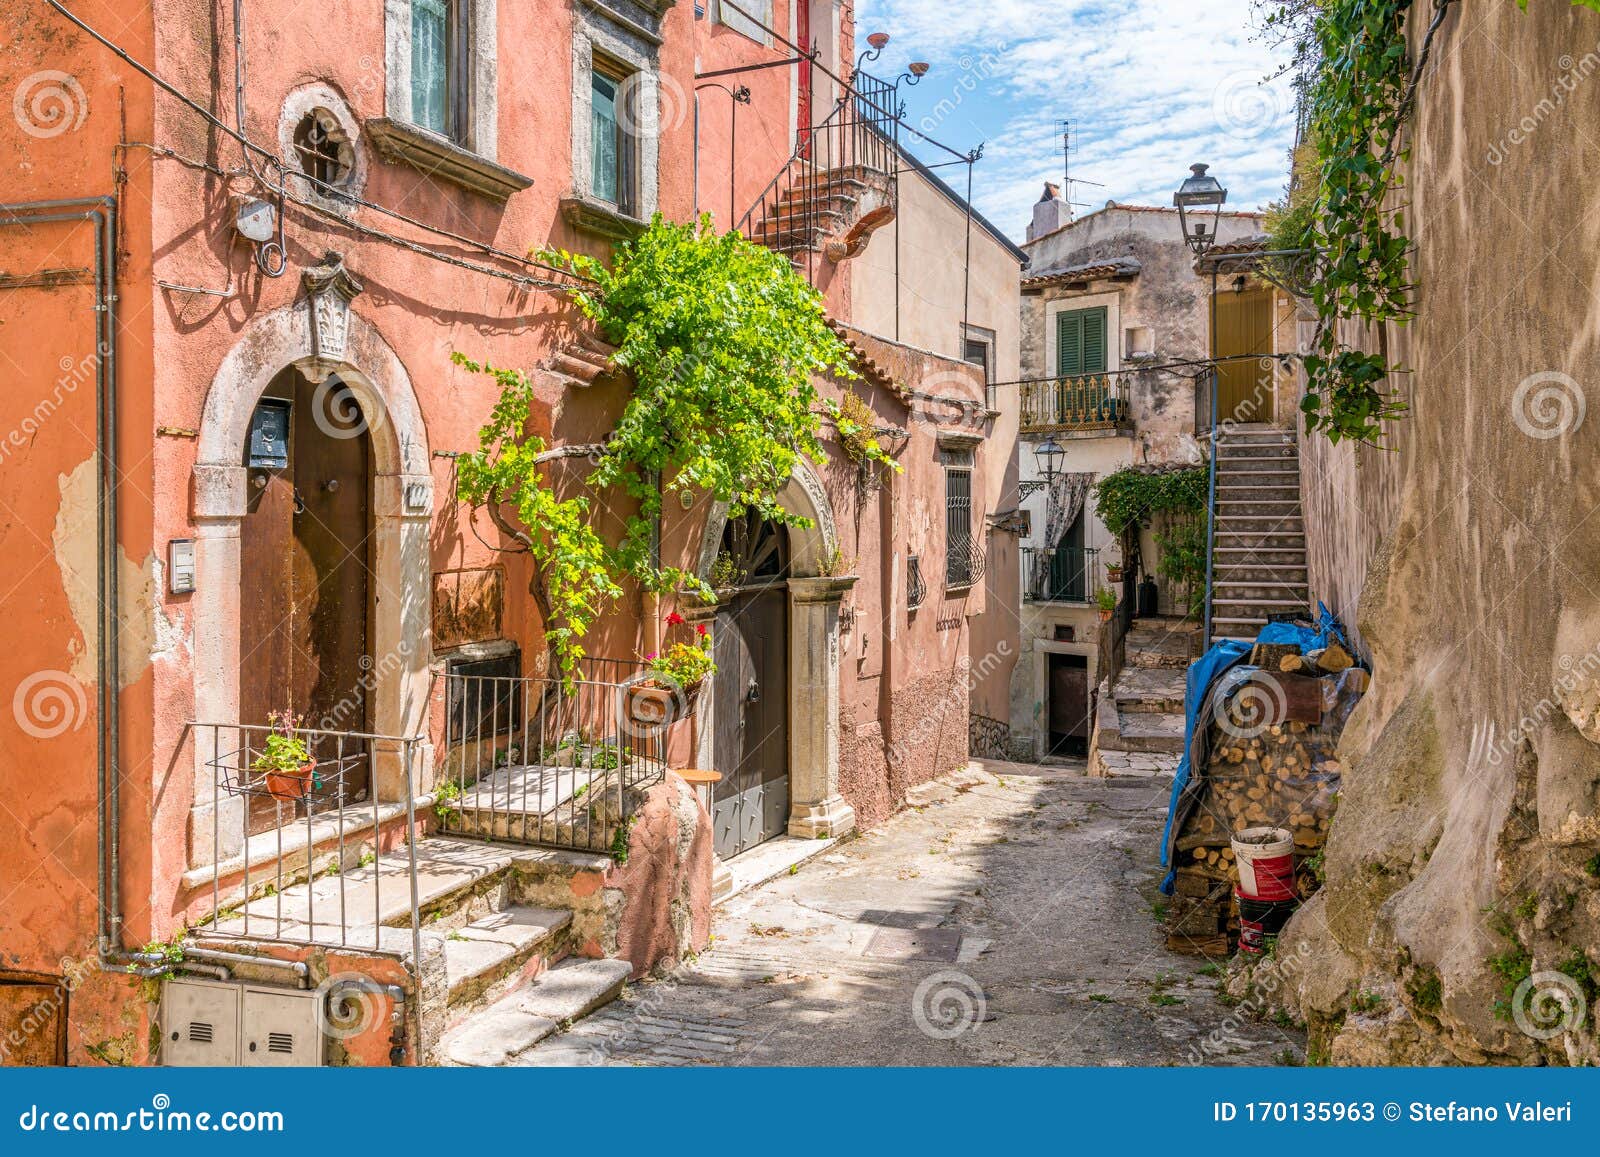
{"type": "Point", "coordinates": [1080, 342]}
{"type": "Point", "coordinates": [1094, 341]}
{"type": "Point", "coordinates": [1069, 343]}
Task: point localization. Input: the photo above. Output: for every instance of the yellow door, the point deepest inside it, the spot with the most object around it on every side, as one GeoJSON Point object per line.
{"type": "Point", "coordinates": [1244, 333]}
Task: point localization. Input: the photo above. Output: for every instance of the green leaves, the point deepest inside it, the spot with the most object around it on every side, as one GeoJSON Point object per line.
{"type": "Point", "coordinates": [723, 340]}
{"type": "Point", "coordinates": [1130, 497]}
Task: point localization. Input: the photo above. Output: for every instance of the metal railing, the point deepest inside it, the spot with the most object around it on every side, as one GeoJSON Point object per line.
{"type": "Point", "coordinates": [813, 195]}
{"type": "Point", "coordinates": [1211, 511]}
{"type": "Point", "coordinates": [556, 762]}
{"type": "Point", "coordinates": [1084, 402]}
{"type": "Point", "coordinates": [306, 843]}
{"type": "Point", "coordinates": [1067, 574]}
{"type": "Point", "coordinates": [916, 585]}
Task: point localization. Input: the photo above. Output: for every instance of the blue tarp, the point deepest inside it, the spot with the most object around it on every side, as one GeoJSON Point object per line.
{"type": "Point", "coordinates": [1223, 657]}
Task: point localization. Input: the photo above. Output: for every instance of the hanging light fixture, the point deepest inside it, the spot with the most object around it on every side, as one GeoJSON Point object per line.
{"type": "Point", "coordinates": [1199, 200]}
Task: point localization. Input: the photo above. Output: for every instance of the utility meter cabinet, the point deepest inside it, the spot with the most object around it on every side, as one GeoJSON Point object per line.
{"type": "Point", "coordinates": [210, 1022]}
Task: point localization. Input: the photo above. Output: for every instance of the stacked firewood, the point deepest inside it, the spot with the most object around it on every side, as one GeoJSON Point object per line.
{"type": "Point", "coordinates": [1271, 763]}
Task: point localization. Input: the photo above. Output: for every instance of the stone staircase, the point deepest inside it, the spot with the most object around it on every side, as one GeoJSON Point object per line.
{"type": "Point", "coordinates": [832, 212]}
{"type": "Point", "coordinates": [1259, 558]}
{"type": "Point", "coordinates": [502, 930]}
{"type": "Point", "coordinates": [1139, 719]}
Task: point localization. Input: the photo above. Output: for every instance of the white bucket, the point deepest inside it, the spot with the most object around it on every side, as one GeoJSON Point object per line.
{"type": "Point", "coordinates": [1266, 866]}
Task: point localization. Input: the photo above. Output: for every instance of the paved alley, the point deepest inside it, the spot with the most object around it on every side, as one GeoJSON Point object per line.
{"type": "Point", "coordinates": [1009, 922]}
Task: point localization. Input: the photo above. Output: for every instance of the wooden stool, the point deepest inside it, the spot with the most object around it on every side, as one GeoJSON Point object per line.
{"type": "Point", "coordinates": [697, 778]}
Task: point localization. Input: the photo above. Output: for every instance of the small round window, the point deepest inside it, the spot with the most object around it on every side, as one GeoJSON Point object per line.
{"type": "Point", "coordinates": [323, 148]}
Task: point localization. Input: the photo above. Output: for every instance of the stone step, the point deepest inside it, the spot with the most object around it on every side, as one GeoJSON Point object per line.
{"type": "Point", "coordinates": [1166, 646]}
{"type": "Point", "coordinates": [1144, 731]}
{"type": "Point", "coordinates": [1265, 607]}
{"type": "Point", "coordinates": [482, 956]}
{"type": "Point", "coordinates": [1269, 474]}
{"type": "Point", "coordinates": [1265, 508]}
{"type": "Point", "coordinates": [1231, 491]}
{"type": "Point", "coordinates": [1158, 690]}
{"type": "Point", "coordinates": [1234, 592]}
{"type": "Point", "coordinates": [521, 1020]}
{"type": "Point", "coordinates": [1260, 524]}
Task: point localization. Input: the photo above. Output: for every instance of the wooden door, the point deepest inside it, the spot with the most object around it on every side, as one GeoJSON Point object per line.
{"type": "Point", "coordinates": [305, 570]}
{"type": "Point", "coordinates": [1244, 332]}
{"type": "Point", "coordinates": [33, 1023]}
{"type": "Point", "coordinates": [751, 740]}
{"type": "Point", "coordinates": [1069, 705]}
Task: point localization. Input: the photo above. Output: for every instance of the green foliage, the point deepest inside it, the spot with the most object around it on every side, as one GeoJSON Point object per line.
{"type": "Point", "coordinates": [857, 426]}
{"type": "Point", "coordinates": [1592, 5]}
{"type": "Point", "coordinates": [1592, 867]}
{"type": "Point", "coordinates": [1426, 989]}
{"type": "Point", "coordinates": [1128, 498]}
{"type": "Point", "coordinates": [1183, 558]}
{"type": "Point", "coordinates": [283, 750]}
{"type": "Point", "coordinates": [1365, 1001]}
{"type": "Point", "coordinates": [722, 339]}
{"type": "Point", "coordinates": [1357, 94]}
{"type": "Point", "coordinates": [1106, 599]}
{"type": "Point", "coordinates": [445, 795]}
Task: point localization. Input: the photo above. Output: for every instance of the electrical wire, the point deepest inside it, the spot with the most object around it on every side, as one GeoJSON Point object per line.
{"type": "Point", "coordinates": [283, 192]}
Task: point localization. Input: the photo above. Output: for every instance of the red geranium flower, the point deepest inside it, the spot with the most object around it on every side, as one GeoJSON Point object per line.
{"type": "Point", "coordinates": [700, 629]}
{"type": "Point", "coordinates": [674, 619]}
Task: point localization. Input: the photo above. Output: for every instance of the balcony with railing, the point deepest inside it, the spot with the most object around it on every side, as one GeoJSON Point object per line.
{"type": "Point", "coordinates": [1084, 402]}
{"type": "Point", "coordinates": [1066, 574]}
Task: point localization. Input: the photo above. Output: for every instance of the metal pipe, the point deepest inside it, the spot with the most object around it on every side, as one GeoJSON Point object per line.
{"type": "Point", "coordinates": [1211, 499]}
{"type": "Point", "coordinates": [218, 956]}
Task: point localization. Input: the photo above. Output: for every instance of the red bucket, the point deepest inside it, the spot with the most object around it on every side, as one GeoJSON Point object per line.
{"type": "Point", "coordinates": [1266, 863]}
{"type": "Point", "coordinates": [1260, 920]}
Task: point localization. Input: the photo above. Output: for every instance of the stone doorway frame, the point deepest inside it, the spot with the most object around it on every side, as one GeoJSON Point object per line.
{"type": "Point", "coordinates": [816, 809]}
{"type": "Point", "coordinates": [402, 510]}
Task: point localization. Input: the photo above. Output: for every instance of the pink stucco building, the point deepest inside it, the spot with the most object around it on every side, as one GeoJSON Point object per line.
{"type": "Point", "coordinates": [239, 254]}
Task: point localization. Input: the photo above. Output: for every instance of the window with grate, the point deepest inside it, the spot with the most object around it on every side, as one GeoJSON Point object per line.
{"type": "Point", "coordinates": [324, 149]}
{"type": "Point", "coordinates": [958, 524]}
{"type": "Point", "coordinates": [916, 586]}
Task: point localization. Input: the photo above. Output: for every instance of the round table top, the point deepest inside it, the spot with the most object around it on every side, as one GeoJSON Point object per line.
{"type": "Point", "coordinates": [698, 775]}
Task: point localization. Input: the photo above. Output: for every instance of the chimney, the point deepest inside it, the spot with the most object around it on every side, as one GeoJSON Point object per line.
{"type": "Point", "coordinates": [1051, 213]}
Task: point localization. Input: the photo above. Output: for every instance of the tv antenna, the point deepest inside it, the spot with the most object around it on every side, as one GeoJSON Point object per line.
{"type": "Point", "coordinates": [1068, 145]}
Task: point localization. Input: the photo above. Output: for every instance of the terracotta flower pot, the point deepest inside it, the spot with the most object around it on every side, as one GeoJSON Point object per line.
{"type": "Point", "coordinates": [653, 705]}
{"type": "Point", "coordinates": [290, 786]}
{"type": "Point", "coordinates": [1105, 615]}
{"type": "Point", "coordinates": [1114, 573]}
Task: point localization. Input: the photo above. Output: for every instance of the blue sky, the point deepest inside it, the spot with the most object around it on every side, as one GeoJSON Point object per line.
{"type": "Point", "coordinates": [1150, 87]}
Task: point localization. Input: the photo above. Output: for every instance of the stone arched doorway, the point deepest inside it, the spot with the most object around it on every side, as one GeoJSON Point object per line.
{"type": "Point", "coordinates": [323, 340]}
{"type": "Point", "coordinates": [816, 808]}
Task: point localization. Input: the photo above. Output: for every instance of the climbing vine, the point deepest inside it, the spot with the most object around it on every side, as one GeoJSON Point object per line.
{"type": "Point", "coordinates": [722, 340]}
{"type": "Point", "coordinates": [1359, 84]}
{"type": "Point", "coordinates": [1131, 498]}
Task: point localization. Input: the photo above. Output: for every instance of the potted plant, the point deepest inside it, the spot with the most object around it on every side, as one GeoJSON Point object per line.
{"type": "Point", "coordinates": [670, 689]}
{"type": "Point", "coordinates": [1106, 600]}
{"type": "Point", "coordinates": [286, 762]}
{"type": "Point", "coordinates": [1114, 570]}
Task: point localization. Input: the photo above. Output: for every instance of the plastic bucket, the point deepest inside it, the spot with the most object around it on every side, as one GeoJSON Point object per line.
{"type": "Point", "coordinates": [1259, 919]}
{"type": "Point", "coordinates": [1266, 863]}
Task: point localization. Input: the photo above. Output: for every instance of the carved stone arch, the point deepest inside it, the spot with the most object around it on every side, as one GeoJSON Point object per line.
{"type": "Point", "coordinates": [322, 337]}
{"type": "Point", "coordinates": [816, 808]}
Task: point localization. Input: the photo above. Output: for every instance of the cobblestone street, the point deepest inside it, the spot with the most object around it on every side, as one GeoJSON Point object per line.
{"type": "Point", "coordinates": [1010, 920]}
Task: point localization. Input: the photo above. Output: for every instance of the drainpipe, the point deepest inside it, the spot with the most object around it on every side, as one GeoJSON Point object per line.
{"type": "Point", "coordinates": [101, 212]}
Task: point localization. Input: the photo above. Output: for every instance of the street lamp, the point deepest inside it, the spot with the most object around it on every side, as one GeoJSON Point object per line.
{"type": "Point", "coordinates": [1049, 454]}
{"type": "Point", "coordinates": [1199, 200]}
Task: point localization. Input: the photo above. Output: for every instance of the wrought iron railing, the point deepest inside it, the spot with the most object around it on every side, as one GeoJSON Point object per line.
{"type": "Point", "coordinates": [916, 585]}
{"type": "Point", "coordinates": [832, 166]}
{"type": "Point", "coordinates": [987, 737]}
{"type": "Point", "coordinates": [1084, 402]}
{"type": "Point", "coordinates": [1067, 574]}
{"type": "Point", "coordinates": [556, 762]}
{"type": "Point", "coordinates": [297, 852]}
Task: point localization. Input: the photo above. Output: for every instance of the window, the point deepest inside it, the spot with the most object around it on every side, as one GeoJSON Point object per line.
{"type": "Point", "coordinates": [751, 26]}
{"type": "Point", "coordinates": [978, 350]}
{"type": "Point", "coordinates": [439, 69]}
{"type": "Point", "coordinates": [958, 547]}
{"type": "Point", "coordinates": [323, 148]}
{"type": "Point", "coordinates": [1080, 342]}
{"type": "Point", "coordinates": [610, 118]}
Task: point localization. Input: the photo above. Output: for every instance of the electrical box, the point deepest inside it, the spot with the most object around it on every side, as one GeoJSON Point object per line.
{"type": "Point", "coordinates": [269, 435]}
{"type": "Point", "coordinates": [180, 566]}
{"type": "Point", "coordinates": [210, 1022]}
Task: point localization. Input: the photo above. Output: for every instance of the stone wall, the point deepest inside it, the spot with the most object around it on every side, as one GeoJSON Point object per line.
{"type": "Point", "coordinates": [1463, 860]}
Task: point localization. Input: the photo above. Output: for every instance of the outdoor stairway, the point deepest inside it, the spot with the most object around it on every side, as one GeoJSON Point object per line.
{"type": "Point", "coordinates": [1139, 722]}
{"type": "Point", "coordinates": [1259, 556]}
{"type": "Point", "coordinates": [482, 922]}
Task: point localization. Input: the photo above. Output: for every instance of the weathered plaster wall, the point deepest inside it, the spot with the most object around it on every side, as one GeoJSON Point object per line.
{"type": "Point", "coordinates": [1470, 816]}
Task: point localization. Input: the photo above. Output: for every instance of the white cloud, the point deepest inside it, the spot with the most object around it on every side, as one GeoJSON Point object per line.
{"type": "Point", "coordinates": [1150, 88]}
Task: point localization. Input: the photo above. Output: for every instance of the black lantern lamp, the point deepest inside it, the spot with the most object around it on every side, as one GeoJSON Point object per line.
{"type": "Point", "coordinates": [1199, 200]}
{"type": "Point", "coordinates": [1049, 454]}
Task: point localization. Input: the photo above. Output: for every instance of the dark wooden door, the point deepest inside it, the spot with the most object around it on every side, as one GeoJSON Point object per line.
{"type": "Point", "coordinates": [751, 741]}
{"type": "Point", "coordinates": [305, 566]}
{"type": "Point", "coordinates": [1069, 705]}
